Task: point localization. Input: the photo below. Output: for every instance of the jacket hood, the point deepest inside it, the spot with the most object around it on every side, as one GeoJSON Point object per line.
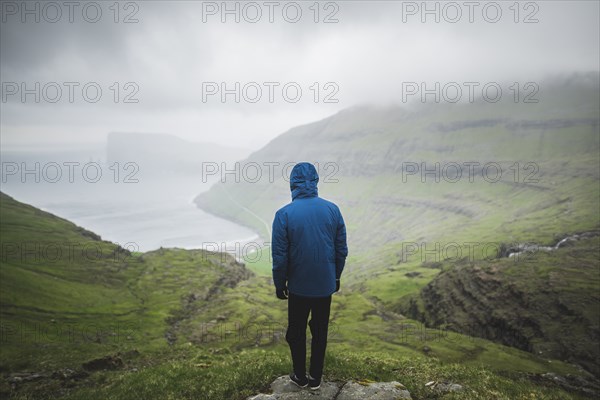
{"type": "Point", "coordinates": [303, 181]}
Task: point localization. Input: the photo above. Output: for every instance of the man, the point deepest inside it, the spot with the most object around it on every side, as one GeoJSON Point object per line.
{"type": "Point", "coordinates": [309, 252]}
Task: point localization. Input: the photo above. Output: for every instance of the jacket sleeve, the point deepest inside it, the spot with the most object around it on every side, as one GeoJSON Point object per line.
{"type": "Point", "coordinates": [341, 248]}
{"type": "Point", "coordinates": [279, 251]}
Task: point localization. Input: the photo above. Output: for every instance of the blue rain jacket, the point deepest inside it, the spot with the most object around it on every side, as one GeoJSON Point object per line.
{"type": "Point", "coordinates": [309, 239]}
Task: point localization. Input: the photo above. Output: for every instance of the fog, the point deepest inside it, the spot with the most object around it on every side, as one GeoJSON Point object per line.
{"type": "Point", "coordinates": [221, 79]}
{"type": "Point", "coordinates": [166, 56]}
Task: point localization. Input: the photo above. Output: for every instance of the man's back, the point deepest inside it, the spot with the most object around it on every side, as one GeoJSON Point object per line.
{"type": "Point", "coordinates": [309, 239]}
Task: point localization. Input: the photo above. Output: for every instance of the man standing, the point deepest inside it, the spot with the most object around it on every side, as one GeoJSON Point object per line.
{"type": "Point", "coordinates": [309, 252]}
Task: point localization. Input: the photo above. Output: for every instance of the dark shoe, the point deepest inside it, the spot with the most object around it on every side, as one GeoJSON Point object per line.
{"type": "Point", "coordinates": [313, 383]}
{"type": "Point", "coordinates": [300, 382]}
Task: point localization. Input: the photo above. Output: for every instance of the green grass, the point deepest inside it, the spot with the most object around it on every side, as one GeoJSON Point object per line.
{"type": "Point", "coordinates": [551, 299]}
{"type": "Point", "coordinates": [260, 262]}
{"type": "Point", "coordinates": [223, 319]}
{"type": "Point", "coordinates": [198, 374]}
{"type": "Point", "coordinates": [229, 341]}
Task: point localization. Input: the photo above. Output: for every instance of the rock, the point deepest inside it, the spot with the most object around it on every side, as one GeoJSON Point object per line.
{"type": "Point", "coordinates": [104, 363]}
{"type": "Point", "coordinates": [263, 396]}
{"type": "Point", "coordinates": [412, 274]}
{"type": "Point", "coordinates": [374, 391]}
{"type": "Point", "coordinates": [19, 377]}
{"type": "Point", "coordinates": [554, 377]}
{"type": "Point", "coordinates": [588, 386]}
{"type": "Point", "coordinates": [444, 387]}
{"type": "Point", "coordinates": [171, 337]}
{"type": "Point", "coordinates": [67, 373]}
{"type": "Point", "coordinates": [433, 265]}
{"type": "Point", "coordinates": [284, 389]}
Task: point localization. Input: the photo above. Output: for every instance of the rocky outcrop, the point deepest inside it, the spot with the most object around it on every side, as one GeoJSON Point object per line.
{"type": "Point", "coordinates": [527, 249]}
{"type": "Point", "coordinates": [104, 363]}
{"type": "Point", "coordinates": [283, 389]}
{"type": "Point", "coordinates": [231, 272]}
{"type": "Point", "coordinates": [545, 304]}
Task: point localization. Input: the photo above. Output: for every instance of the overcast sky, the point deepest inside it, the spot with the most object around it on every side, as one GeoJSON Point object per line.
{"type": "Point", "coordinates": [169, 57]}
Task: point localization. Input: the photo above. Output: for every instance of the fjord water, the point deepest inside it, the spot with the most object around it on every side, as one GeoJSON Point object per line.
{"type": "Point", "coordinates": [156, 211]}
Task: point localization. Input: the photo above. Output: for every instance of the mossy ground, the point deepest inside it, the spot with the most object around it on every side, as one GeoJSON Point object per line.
{"type": "Point", "coordinates": [228, 339]}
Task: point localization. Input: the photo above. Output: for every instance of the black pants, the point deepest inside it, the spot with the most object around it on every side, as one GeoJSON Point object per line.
{"type": "Point", "coordinates": [298, 309]}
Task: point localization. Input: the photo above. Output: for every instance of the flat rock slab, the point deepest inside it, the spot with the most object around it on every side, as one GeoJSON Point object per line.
{"type": "Point", "coordinates": [284, 389]}
{"type": "Point", "coordinates": [374, 391]}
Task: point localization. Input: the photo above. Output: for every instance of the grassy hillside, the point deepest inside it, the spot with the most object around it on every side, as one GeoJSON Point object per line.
{"type": "Point", "coordinates": [548, 153]}
{"type": "Point", "coordinates": [193, 324]}
{"type": "Point", "coordinates": [547, 303]}
{"type": "Point", "coordinates": [404, 227]}
{"type": "Point", "coordinates": [68, 297]}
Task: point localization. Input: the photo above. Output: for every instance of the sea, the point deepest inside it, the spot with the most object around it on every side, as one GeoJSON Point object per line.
{"type": "Point", "coordinates": [116, 202]}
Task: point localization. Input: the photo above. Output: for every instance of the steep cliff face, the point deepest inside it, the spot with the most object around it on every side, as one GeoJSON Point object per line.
{"type": "Point", "coordinates": [547, 303]}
